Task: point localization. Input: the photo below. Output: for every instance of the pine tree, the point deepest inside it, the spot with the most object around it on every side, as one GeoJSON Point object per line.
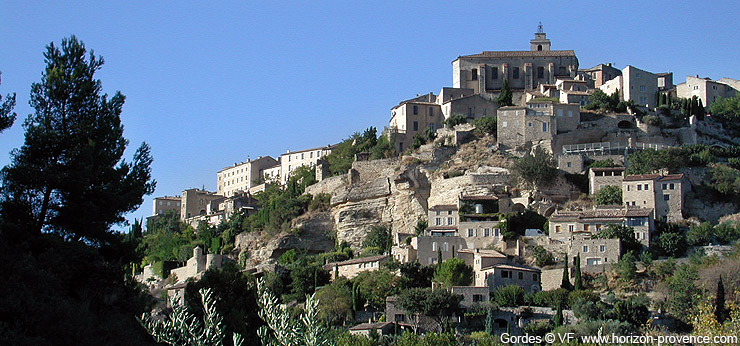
{"type": "Point", "coordinates": [506, 96]}
{"type": "Point", "coordinates": [7, 116]}
{"type": "Point", "coordinates": [69, 176]}
{"type": "Point", "coordinates": [566, 277]}
{"type": "Point", "coordinates": [720, 312]}
{"type": "Point", "coordinates": [577, 281]}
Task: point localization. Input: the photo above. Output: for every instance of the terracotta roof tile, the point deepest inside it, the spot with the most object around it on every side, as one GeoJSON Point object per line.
{"type": "Point", "coordinates": [641, 177]}
{"type": "Point", "coordinates": [521, 53]}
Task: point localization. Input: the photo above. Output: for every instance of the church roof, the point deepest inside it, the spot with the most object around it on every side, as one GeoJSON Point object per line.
{"type": "Point", "coordinates": [522, 54]}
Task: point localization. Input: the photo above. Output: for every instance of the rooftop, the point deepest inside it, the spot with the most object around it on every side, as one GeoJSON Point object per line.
{"type": "Point", "coordinates": [358, 260]}
{"type": "Point", "coordinates": [442, 207]}
{"type": "Point", "coordinates": [521, 53]}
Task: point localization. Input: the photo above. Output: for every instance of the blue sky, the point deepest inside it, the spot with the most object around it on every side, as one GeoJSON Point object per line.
{"type": "Point", "coordinates": [210, 84]}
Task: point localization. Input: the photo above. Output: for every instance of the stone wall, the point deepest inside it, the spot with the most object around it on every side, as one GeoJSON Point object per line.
{"type": "Point", "coordinates": [447, 191]}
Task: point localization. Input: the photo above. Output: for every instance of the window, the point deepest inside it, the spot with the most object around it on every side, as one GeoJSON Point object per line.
{"type": "Point", "coordinates": [449, 212]}
{"type": "Point", "coordinates": [445, 247]}
{"type": "Point", "coordinates": [534, 277]}
{"type": "Point", "coordinates": [494, 72]}
{"type": "Point", "coordinates": [438, 213]}
{"type": "Point", "coordinates": [665, 186]}
{"type": "Point", "coordinates": [628, 187]}
{"type": "Point", "coordinates": [505, 124]}
{"type": "Point", "coordinates": [431, 111]}
{"type": "Point", "coordinates": [474, 74]}
{"type": "Point", "coordinates": [530, 124]}
{"type": "Point", "coordinates": [521, 276]}
{"type": "Point", "coordinates": [416, 125]}
{"type": "Point", "coordinates": [540, 72]}
{"type": "Point", "coordinates": [505, 274]}
{"type": "Point", "coordinates": [450, 221]}
{"type": "Point", "coordinates": [434, 246]}
{"type": "Point", "coordinates": [568, 164]}
{"type": "Point", "coordinates": [557, 229]}
{"type": "Point", "coordinates": [639, 187]}
{"type": "Point", "coordinates": [642, 88]}
{"type": "Point", "coordinates": [585, 248]}
{"type": "Point", "coordinates": [487, 232]}
{"type": "Point", "coordinates": [672, 186]}
{"type": "Point", "coordinates": [485, 111]}
{"type": "Point", "coordinates": [570, 228]}
{"type": "Point", "coordinates": [310, 154]}
{"type": "Point", "coordinates": [301, 156]}
{"type": "Point", "coordinates": [400, 318]}
{"type": "Point", "coordinates": [647, 187]}
{"type": "Point", "coordinates": [602, 248]}
{"type": "Point", "coordinates": [570, 114]}
{"type": "Point", "coordinates": [666, 197]}
{"type": "Point", "coordinates": [544, 127]}
{"type": "Point", "coordinates": [416, 110]}
{"type": "Point", "coordinates": [433, 126]}
{"type": "Point", "coordinates": [471, 232]}
{"type": "Point", "coordinates": [438, 221]}
{"type": "Point", "coordinates": [515, 73]}
{"type": "Point", "coordinates": [470, 111]}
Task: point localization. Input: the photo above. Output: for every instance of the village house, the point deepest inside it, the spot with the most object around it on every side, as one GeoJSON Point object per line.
{"type": "Point", "coordinates": [195, 202]}
{"type": "Point", "coordinates": [634, 84]}
{"type": "Point", "coordinates": [662, 193]}
{"type": "Point", "coordinates": [563, 225]}
{"type": "Point", "coordinates": [242, 176]}
{"type": "Point", "coordinates": [539, 120]}
{"type": "Point", "coordinates": [412, 117]}
{"type": "Point", "coordinates": [292, 160]}
{"type": "Point", "coordinates": [596, 254]}
{"type": "Point", "coordinates": [600, 74]}
{"type": "Point", "coordinates": [350, 268]}
{"type": "Point", "coordinates": [161, 205]}
{"type": "Point", "coordinates": [598, 177]}
{"type": "Point", "coordinates": [707, 90]}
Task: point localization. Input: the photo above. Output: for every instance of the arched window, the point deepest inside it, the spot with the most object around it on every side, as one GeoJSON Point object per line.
{"type": "Point", "coordinates": [539, 47]}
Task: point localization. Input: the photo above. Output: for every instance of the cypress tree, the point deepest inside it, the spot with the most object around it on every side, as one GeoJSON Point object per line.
{"type": "Point", "coordinates": [506, 97]}
{"type": "Point", "coordinates": [453, 251]}
{"type": "Point", "coordinates": [566, 278]}
{"type": "Point", "coordinates": [577, 281]}
{"type": "Point", "coordinates": [558, 319]}
{"type": "Point", "coordinates": [719, 303]}
{"type": "Point", "coordinates": [489, 321]}
{"type": "Point", "coordinates": [702, 112]}
{"type": "Point", "coordinates": [439, 256]}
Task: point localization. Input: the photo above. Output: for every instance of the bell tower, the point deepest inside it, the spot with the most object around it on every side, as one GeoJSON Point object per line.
{"type": "Point", "coordinates": [540, 41]}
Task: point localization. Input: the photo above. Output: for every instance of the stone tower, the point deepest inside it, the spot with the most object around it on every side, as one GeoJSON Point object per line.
{"type": "Point", "coordinates": [540, 42]}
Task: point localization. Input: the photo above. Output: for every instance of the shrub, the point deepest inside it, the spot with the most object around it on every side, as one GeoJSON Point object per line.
{"type": "Point", "coordinates": [534, 170]}
{"type": "Point", "coordinates": [454, 120]}
{"type": "Point", "coordinates": [609, 195]}
{"type": "Point", "coordinates": [485, 125]}
{"type": "Point", "coordinates": [511, 295]}
{"type": "Point", "coordinates": [652, 120]}
{"type": "Point", "coordinates": [542, 256]}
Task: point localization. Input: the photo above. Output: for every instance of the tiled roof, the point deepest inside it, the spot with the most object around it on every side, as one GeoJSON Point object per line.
{"type": "Point", "coordinates": [521, 54]}
{"type": "Point", "coordinates": [513, 267]}
{"type": "Point", "coordinates": [671, 177]}
{"type": "Point", "coordinates": [601, 213]}
{"type": "Point", "coordinates": [641, 177]}
{"type": "Point", "coordinates": [606, 169]}
{"type": "Point", "coordinates": [441, 207]}
{"type": "Point", "coordinates": [358, 260]}
{"type": "Point", "coordinates": [331, 146]}
{"type": "Point", "coordinates": [442, 228]}
{"type": "Point", "coordinates": [367, 326]}
{"type": "Point", "coordinates": [483, 252]}
{"type": "Point", "coordinates": [639, 212]}
{"type": "Point", "coordinates": [478, 198]}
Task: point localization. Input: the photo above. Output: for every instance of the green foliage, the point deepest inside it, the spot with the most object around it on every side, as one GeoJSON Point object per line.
{"type": "Point", "coordinates": [453, 272]}
{"type": "Point", "coordinates": [428, 339]}
{"type": "Point", "coordinates": [343, 154]}
{"type": "Point", "coordinates": [505, 98]}
{"type": "Point", "coordinates": [725, 179]}
{"type": "Point", "coordinates": [725, 233]}
{"type": "Point", "coordinates": [577, 280]}
{"type": "Point", "coordinates": [288, 257]}
{"type": "Point", "coordinates": [609, 195]}
{"type": "Point", "coordinates": [7, 116]}
{"type": "Point", "coordinates": [515, 223]}
{"type": "Point", "coordinates": [237, 304]}
{"type": "Point", "coordinates": [551, 298]}
{"type": "Point", "coordinates": [455, 119]}
{"type": "Point", "coordinates": [602, 164]}
{"type": "Point", "coordinates": [320, 202]}
{"type": "Point", "coordinates": [542, 256]}
{"type": "Point", "coordinates": [631, 312]}
{"type": "Point", "coordinates": [625, 234]}
{"type": "Point", "coordinates": [376, 286]}
{"type": "Point", "coordinates": [682, 298]}
{"type": "Point", "coordinates": [727, 108]}
{"type": "Point", "coordinates": [413, 274]}
{"type": "Point", "coordinates": [69, 177]}
{"type": "Point", "coordinates": [565, 282]}
{"type": "Point", "coordinates": [626, 268]}
{"type": "Point", "coordinates": [438, 304]}
{"type": "Point", "coordinates": [490, 320]}
{"type": "Point", "coordinates": [486, 125]}
{"type": "Point", "coordinates": [335, 302]}
{"type": "Point", "coordinates": [305, 276]}
{"type": "Point", "coordinates": [184, 328]}
{"type": "Point", "coordinates": [421, 226]}
{"type": "Point", "coordinates": [379, 237]}
{"type": "Point", "coordinates": [282, 329]}
{"type": "Point", "coordinates": [511, 295]}
{"type": "Point", "coordinates": [558, 319]}
{"type": "Point", "coordinates": [599, 100]}
{"type": "Point", "coordinates": [672, 244]}
{"type": "Point", "coordinates": [535, 170]}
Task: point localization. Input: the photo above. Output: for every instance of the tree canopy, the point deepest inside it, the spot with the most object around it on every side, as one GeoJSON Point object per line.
{"type": "Point", "coordinates": [7, 117]}
{"type": "Point", "coordinates": [453, 272]}
{"type": "Point", "coordinates": [537, 169]}
{"type": "Point", "coordinates": [609, 195]}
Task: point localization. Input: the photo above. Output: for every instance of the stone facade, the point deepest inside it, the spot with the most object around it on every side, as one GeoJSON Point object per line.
{"type": "Point", "coordinates": [565, 225]}
{"type": "Point", "coordinates": [413, 117]}
{"type": "Point", "coordinates": [428, 248]}
{"type": "Point", "coordinates": [602, 73]}
{"type": "Point", "coordinates": [500, 275]}
{"type": "Point", "coordinates": [634, 84]}
{"type": "Point", "coordinates": [537, 121]}
{"type": "Point", "coordinates": [197, 265]}
{"type": "Point", "coordinates": [595, 253]}
{"type": "Point", "coordinates": [472, 295]}
{"type": "Point", "coordinates": [524, 70]}
{"type": "Point", "coordinates": [242, 176]}
{"type": "Point", "coordinates": [350, 268]}
{"type": "Point", "coordinates": [599, 177]}
{"type": "Point", "coordinates": [707, 90]}
{"type": "Point", "coordinates": [663, 193]}
{"type": "Point", "coordinates": [164, 204]}
{"type": "Point", "coordinates": [471, 107]}
{"type": "Point", "coordinates": [195, 202]}
{"type": "Point", "coordinates": [294, 159]}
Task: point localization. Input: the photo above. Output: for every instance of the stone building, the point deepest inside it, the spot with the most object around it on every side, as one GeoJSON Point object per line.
{"type": "Point", "coordinates": [599, 177]}
{"type": "Point", "coordinates": [272, 174]}
{"type": "Point", "coordinates": [470, 106]}
{"type": "Point", "coordinates": [429, 248]}
{"type": "Point", "coordinates": [665, 81]}
{"type": "Point", "coordinates": [485, 72]}
{"type": "Point", "coordinates": [565, 224]}
{"type": "Point", "coordinates": [350, 268]}
{"type": "Point", "coordinates": [662, 193]}
{"type": "Point", "coordinates": [595, 253]}
{"type": "Point", "coordinates": [443, 219]}
{"type": "Point", "coordinates": [707, 90]}
{"type": "Point", "coordinates": [414, 116]}
{"type": "Point", "coordinates": [601, 74]}
{"type": "Point", "coordinates": [242, 176]}
{"type": "Point", "coordinates": [572, 91]}
{"type": "Point", "coordinates": [634, 84]}
{"type": "Point", "coordinates": [292, 160]}
{"type": "Point", "coordinates": [537, 121]}
{"type": "Point", "coordinates": [164, 204]}
{"type": "Point", "coordinates": [195, 202]}
{"type": "Point", "coordinates": [472, 295]}
{"type": "Point", "coordinates": [505, 274]}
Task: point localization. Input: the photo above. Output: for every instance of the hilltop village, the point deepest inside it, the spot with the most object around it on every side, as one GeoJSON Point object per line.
{"type": "Point", "coordinates": [528, 178]}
